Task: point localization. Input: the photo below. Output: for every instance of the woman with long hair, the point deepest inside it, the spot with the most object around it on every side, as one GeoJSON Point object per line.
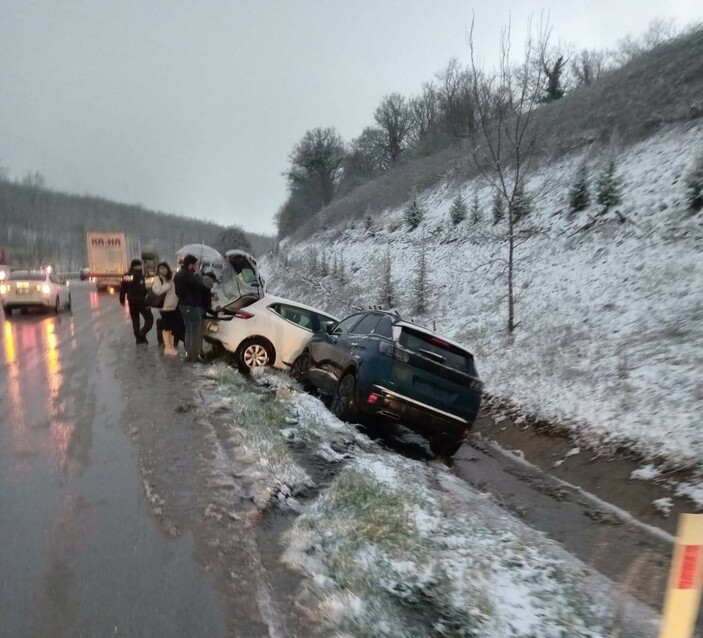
{"type": "Point", "coordinates": [164, 285]}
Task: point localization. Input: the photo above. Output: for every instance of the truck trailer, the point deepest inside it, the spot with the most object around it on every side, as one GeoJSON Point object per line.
{"type": "Point", "coordinates": [109, 256]}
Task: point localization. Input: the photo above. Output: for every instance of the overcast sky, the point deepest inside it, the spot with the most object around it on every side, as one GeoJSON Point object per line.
{"type": "Point", "coordinates": [194, 106]}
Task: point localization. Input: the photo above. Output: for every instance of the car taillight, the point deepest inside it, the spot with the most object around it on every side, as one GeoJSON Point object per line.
{"type": "Point", "coordinates": [243, 314]}
{"type": "Point", "coordinates": [387, 347]}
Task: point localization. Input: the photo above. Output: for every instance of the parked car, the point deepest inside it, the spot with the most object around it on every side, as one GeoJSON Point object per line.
{"type": "Point", "coordinates": [34, 288]}
{"type": "Point", "coordinates": [377, 364]}
{"type": "Point", "coordinates": [267, 331]}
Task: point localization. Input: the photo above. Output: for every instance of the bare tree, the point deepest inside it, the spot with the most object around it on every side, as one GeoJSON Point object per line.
{"type": "Point", "coordinates": [506, 101]}
{"type": "Point", "coordinates": [387, 293]}
{"type": "Point", "coordinates": [425, 111]}
{"type": "Point", "coordinates": [553, 73]}
{"type": "Point", "coordinates": [456, 99]}
{"type": "Point", "coordinates": [587, 66]}
{"type": "Point", "coordinates": [316, 163]}
{"type": "Point", "coordinates": [393, 116]}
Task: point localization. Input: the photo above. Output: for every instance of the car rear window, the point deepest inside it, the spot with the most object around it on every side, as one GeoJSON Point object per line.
{"type": "Point", "coordinates": [437, 349]}
{"type": "Point", "coordinates": [25, 276]}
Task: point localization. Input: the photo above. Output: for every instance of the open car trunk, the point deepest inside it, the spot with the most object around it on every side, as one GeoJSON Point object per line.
{"type": "Point", "coordinates": [240, 277]}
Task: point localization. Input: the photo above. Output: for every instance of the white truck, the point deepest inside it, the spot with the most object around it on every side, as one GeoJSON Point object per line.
{"type": "Point", "coordinates": [109, 256]}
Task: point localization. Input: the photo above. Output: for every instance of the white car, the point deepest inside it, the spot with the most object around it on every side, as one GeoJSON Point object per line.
{"type": "Point", "coordinates": [34, 288]}
{"type": "Point", "coordinates": [268, 331]}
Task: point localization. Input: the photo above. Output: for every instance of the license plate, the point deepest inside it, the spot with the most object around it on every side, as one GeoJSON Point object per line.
{"type": "Point", "coordinates": [213, 327]}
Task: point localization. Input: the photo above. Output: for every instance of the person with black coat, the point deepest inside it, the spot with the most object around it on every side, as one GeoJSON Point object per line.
{"type": "Point", "coordinates": [190, 290]}
{"type": "Point", "coordinates": [133, 289]}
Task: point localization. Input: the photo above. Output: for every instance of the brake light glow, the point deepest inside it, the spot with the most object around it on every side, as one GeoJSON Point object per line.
{"type": "Point", "coordinates": [243, 314]}
{"type": "Point", "coordinates": [373, 398]}
{"type": "Point", "coordinates": [439, 343]}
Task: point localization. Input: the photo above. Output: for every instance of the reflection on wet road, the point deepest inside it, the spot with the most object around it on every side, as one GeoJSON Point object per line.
{"type": "Point", "coordinates": [79, 553]}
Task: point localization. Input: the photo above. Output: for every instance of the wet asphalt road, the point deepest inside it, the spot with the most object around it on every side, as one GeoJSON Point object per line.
{"type": "Point", "coordinates": [80, 554]}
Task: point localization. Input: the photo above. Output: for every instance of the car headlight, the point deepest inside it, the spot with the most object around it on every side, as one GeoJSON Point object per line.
{"type": "Point", "coordinates": [46, 289]}
{"type": "Point", "coordinates": [4, 289]}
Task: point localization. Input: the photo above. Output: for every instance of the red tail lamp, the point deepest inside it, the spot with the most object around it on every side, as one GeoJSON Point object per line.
{"type": "Point", "coordinates": [373, 398]}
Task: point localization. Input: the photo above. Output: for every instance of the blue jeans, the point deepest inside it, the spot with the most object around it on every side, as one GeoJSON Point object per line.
{"type": "Point", "coordinates": [193, 320]}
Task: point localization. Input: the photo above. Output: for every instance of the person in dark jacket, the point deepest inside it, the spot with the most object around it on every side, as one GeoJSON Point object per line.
{"type": "Point", "coordinates": [134, 289]}
{"type": "Point", "coordinates": [191, 290]}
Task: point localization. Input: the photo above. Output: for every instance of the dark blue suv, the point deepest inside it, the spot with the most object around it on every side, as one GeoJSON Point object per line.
{"type": "Point", "coordinates": [376, 364]}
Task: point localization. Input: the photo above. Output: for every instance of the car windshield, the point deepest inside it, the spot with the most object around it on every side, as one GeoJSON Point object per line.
{"type": "Point", "coordinates": [26, 276]}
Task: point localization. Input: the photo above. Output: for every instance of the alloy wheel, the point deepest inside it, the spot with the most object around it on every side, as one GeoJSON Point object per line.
{"type": "Point", "coordinates": [255, 356]}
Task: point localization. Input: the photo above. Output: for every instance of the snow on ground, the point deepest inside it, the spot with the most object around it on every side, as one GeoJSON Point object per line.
{"type": "Point", "coordinates": [609, 340]}
{"type": "Point", "coordinates": [392, 547]}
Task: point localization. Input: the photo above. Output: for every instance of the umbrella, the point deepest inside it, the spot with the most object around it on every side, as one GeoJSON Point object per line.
{"type": "Point", "coordinates": [204, 253]}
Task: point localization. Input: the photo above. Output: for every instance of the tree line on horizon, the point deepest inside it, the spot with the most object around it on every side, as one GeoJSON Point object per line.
{"type": "Point", "coordinates": [38, 225]}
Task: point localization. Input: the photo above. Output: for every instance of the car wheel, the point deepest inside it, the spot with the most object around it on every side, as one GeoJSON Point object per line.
{"type": "Point", "coordinates": [8, 310]}
{"type": "Point", "coordinates": [253, 353]}
{"type": "Point", "coordinates": [57, 305]}
{"type": "Point", "coordinates": [344, 404]}
{"type": "Point", "coordinates": [299, 370]}
{"type": "Point", "coordinates": [445, 446]}
{"type": "Point", "coordinates": [69, 305]}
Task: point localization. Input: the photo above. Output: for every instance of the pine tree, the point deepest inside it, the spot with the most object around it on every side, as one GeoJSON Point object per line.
{"type": "Point", "coordinates": [475, 210]}
{"type": "Point", "coordinates": [520, 206]}
{"type": "Point", "coordinates": [579, 195]}
{"type": "Point", "coordinates": [498, 208]}
{"type": "Point", "coordinates": [694, 186]}
{"type": "Point", "coordinates": [413, 214]}
{"type": "Point", "coordinates": [421, 283]}
{"type": "Point", "coordinates": [609, 187]}
{"type": "Point", "coordinates": [387, 293]}
{"type": "Point", "coordinates": [457, 213]}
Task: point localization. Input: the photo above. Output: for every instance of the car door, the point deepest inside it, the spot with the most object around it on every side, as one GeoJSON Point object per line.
{"type": "Point", "coordinates": [291, 328]}
{"type": "Point", "coordinates": [328, 354]}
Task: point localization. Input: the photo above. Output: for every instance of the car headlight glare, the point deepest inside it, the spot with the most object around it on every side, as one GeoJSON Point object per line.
{"type": "Point", "coordinates": [46, 289]}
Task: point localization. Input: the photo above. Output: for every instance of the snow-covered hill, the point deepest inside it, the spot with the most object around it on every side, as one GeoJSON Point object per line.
{"type": "Point", "coordinates": [610, 335]}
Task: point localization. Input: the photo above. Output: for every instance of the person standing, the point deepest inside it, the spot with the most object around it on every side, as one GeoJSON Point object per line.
{"type": "Point", "coordinates": [190, 290]}
{"type": "Point", "coordinates": [134, 289]}
{"type": "Point", "coordinates": [163, 285]}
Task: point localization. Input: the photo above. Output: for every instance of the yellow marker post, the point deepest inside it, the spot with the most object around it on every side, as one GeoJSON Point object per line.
{"type": "Point", "coordinates": [683, 595]}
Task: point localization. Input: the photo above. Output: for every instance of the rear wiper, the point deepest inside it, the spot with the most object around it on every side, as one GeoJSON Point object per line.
{"type": "Point", "coordinates": [437, 357]}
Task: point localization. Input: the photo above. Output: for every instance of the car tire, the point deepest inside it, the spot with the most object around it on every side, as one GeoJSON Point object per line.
{"type": "Point", "coordinates": [57, 305]}
{"type": "Point", "coordinates": [69, 305]}
{"type": "Point", "coordinates": [254, 353]}
{"type": "Point", "coordinates": [299, 370]}
{"type": "Point", "coordinates": [344, 404]}
{"type": "Point", "coordinates": [445, 446]}
{"type": "Point", "coordinates": [8, 310]}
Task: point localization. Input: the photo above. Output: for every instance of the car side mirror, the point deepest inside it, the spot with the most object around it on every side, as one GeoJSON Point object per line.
{"type": "Point", "coordinates": [329, 328]}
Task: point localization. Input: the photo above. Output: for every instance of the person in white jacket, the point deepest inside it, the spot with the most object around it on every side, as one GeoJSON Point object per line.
{"type": "Point", "coordinates": [163, 284]}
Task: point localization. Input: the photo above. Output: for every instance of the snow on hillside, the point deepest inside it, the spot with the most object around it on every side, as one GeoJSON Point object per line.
{"type": "Point", "coordinates": [610, 335]}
